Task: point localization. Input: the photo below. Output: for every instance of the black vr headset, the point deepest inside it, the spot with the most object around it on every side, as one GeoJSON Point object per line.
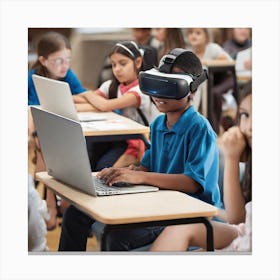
{"type": "Point", "coordinates": [159, 82]}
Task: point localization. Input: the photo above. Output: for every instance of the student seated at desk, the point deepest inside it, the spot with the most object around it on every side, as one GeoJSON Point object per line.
{"type": "Point", "coordinates": [120, 94]}
{"type": "Point", "coordinates": [169, 39]}
{"type": "Point", "coordinates": [183, 154]}
{"type": "Point", "coordinates": [53, 61]}
{"type": "Point", "coordinates": [239, 41]}
{"type": "Point", "coordinates": [145, 40]}
{"type": "Point", "coordinates": [199, 41]}
{"type": "Point", "coordinates": [236, 235]}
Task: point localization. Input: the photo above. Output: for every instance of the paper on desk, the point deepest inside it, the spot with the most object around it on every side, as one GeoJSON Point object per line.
{"type": "Point", "coordinates": [105, 125]}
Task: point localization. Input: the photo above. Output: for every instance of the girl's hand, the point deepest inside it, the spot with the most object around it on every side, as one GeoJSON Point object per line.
{"type": "Point", "coordinates": [233, 143]}
{"type": "Point", "coordinates": [114, 175]}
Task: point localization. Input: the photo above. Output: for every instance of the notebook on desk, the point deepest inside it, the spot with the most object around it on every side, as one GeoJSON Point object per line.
{"type": "Point", "coordinates": [65, 153]}
{"type": "Point", "coordinates": [55, 96]}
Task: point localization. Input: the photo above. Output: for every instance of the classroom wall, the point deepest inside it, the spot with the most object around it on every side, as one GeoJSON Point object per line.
{"type": "Point", "coordinates": [89, 51]}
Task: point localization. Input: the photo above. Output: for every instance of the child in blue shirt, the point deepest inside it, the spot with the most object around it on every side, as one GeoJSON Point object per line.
{"type": "Point", "coordinates": [236, 233]}
{"type": "Point", "coordinates": [53, 61]}
{"type": "Point", "coordinates": [183, 156]}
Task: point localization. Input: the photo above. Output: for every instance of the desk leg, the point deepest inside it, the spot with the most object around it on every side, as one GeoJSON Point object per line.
{"type": "Point", "coordinates": [203, 220]}
{"type": "Point", "coordinates": [209, 234]}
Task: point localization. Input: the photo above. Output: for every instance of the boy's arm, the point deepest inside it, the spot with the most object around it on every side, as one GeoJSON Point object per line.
{"type": "Point", "coordinates": [178, 182]}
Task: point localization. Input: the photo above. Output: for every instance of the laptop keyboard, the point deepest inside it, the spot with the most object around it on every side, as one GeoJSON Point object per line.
{"type": "Point", "coordinates": [103, 188]}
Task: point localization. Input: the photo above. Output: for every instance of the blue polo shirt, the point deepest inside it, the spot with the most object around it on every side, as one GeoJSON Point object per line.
{"type": "Point", "coordinates": [188, 148]}
{"type": "Point", "coordinates": [74, 83]}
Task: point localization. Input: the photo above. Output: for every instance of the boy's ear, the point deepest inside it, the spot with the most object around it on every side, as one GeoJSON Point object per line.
{"type": "Point", "coordinates": [138, 62]}
{"type": "Point", "coordinates": [191, 96]}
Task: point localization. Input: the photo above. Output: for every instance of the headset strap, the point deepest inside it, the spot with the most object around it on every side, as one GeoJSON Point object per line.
{"type": "Point", "coordinates": [143, 117]}
{"type": "Point", "coordinates": [167, 63]}
{"type": "Point", "coordinates": [169, 59]}
{"type": "Point", "coordinates": [199, 80]}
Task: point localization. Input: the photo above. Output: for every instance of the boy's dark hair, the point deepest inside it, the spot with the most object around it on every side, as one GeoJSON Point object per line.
{"type": "Point", "coordinates": [189, 63]}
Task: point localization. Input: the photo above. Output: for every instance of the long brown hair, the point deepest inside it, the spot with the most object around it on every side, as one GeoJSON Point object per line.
{"type": "Point", "coordinates": [246, 184]}
{"type": "Point", "coordinates": [174, 39]}
{"type": "Point", "coordinates": [48, 43]}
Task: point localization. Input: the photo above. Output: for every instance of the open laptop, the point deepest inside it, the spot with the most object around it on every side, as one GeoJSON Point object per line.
{"type": "Point", "coordinates": [65, 153]}
{"type": "Point", "coordinates": [55, 96]}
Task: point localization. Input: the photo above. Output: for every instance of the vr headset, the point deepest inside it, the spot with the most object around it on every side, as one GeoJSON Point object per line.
{"type": "Point", "coordinates": [162, 84]}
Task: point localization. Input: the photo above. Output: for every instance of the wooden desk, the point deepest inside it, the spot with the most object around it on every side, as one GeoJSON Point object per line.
{"type": "Point", "coordinates": [115, 128]}
{"type": "Point", "coordinates": [114, 124]}
{"type": "Point", "coordinates": [137, 210]}
{"type": "Point", "coordinates": [218, 63]}
{"type": "Point", "coordinates": [242, 79]}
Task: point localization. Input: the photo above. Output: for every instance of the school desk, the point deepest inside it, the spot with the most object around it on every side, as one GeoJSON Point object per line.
{"type": "Point", "coordinates": [114, 128]}
{"type": "Point", "coordinates": [159, 208]}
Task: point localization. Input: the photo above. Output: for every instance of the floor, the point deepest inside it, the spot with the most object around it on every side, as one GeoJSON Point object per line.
{"type": "Point", "coordinates": [53, 240]}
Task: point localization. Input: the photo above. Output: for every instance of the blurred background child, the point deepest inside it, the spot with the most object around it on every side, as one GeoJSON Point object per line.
{"type": "Point", "coordinates": [53, 61]}
{"type": "Point", "coordinates": [221, 92]}
{"type": "Point", "coordinates": [169, 38]}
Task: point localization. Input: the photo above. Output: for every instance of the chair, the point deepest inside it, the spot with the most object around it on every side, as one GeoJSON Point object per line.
{"type": "Point", "coordinates": [222, 78]}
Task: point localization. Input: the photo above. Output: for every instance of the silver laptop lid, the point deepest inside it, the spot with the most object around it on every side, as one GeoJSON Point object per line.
{"type": "Point", "coordinates": [55, 96]}
{"type": "Point", "coordinates": [64, 149]}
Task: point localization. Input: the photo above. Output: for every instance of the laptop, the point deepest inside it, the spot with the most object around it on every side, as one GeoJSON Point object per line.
{"type": "Point", "coordinates": [65, 153]}
{"type": "Point", "coordinates": [55, 96]}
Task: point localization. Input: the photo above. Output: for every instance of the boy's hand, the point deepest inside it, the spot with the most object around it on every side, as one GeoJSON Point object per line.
{"type": "Point", "coordinates": [114, 175]}
{"type": "Point", "coordinates": [233, 143]}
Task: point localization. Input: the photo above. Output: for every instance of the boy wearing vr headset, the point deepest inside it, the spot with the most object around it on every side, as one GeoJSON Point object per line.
{"type": "Point", "coordinates": [183, 154]}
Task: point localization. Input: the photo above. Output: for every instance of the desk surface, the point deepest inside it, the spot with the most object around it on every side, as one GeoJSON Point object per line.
{"type": "Point", "coordinates": [114, 124]}
{"type": "Point", "coordinates": [217, 63]}
{"type": "Point", "coordinates": [132, 208]}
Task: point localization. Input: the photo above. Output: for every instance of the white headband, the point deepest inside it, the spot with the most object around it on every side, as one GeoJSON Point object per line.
{"type": "Point", "coordinates": [129, 51]}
